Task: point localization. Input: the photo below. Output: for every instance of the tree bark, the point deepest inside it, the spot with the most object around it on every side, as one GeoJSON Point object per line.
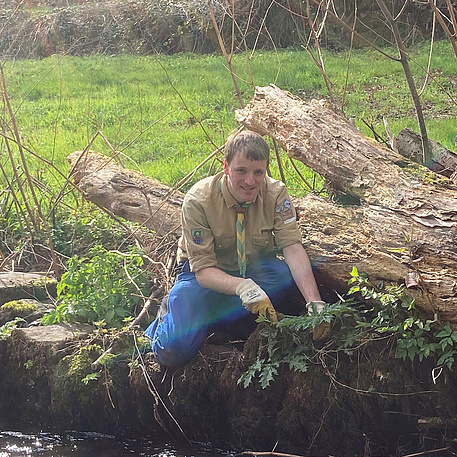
{"type": "Point", "coordinates": [406, 223]}
{"type": "Point", "coordinates": [127, 193]}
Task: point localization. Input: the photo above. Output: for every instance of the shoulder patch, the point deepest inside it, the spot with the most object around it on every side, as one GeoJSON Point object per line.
{"type": "Point", "coordinates": [197, 236]}
{"type": "Point", "coordinates": [285, 211]}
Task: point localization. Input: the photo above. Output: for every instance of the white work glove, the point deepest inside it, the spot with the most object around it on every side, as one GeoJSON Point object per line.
{"type": "Point", "coordinates": [255, 300]}
{"type": "Point", "coordinates": [322, 330]}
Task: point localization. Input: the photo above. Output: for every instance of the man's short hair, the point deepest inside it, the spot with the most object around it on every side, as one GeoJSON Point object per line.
{"type": "Point", "coordinates": [248, 144]}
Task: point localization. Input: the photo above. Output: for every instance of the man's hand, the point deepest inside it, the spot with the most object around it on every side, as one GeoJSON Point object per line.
{"type": "Point", "coordinates": [321, 331]}
{"type": "Point", "coordinates": [255, 300]}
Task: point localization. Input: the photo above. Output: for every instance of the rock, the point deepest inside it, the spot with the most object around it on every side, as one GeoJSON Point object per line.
{"type": "Point", "coordinates": [53, 336]}
{"type": "Point", "coordinates": [28, 309]}
{"type": "Point", "coordinates": [18, 285]}
{"type": "Point", "coordinates": [47, 379]}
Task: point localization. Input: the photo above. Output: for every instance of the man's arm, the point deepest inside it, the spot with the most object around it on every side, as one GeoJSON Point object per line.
{"type": "Point", "coordinates": [298, 262]}
{"type": "Point", "coordinates": [215, 279]}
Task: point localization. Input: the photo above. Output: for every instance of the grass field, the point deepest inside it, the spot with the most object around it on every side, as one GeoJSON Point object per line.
{"type": "Point", "coordinates": [167, 113]}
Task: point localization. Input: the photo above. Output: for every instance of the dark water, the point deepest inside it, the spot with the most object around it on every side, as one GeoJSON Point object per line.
{"type": "Point", "coordinates": [86, 444]}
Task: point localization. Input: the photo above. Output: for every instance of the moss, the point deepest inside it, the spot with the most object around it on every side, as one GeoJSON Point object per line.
{"type": "Point", "coordinates": [43, 282]}
{"type": "Point", "coordinates": [72, 397]}
{"type": "Point", "coordinates": [79, 365]}
{"type": "Point", "coordinates": [20, 308]}
{"type": "Point", "coordinates": [419, 172]}
{"type": "Point", "coordinates": [43, 287]}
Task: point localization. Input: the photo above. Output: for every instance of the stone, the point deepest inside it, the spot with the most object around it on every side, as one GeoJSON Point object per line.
{"type": "Point", "coordinates": [18, 285]}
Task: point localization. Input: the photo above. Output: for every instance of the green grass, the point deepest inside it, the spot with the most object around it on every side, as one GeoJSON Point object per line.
{"type": "Point", "coordinates": [144, 106]}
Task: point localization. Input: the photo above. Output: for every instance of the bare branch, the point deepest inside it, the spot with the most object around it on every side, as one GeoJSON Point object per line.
{"type": "Point", "coordinates": [228, 58]}
{"type": "Point", "coordinates": [409, 78]}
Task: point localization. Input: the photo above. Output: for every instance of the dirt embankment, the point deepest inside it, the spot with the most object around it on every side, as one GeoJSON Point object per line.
{"type": "Point", "coordinates": [364, 403]}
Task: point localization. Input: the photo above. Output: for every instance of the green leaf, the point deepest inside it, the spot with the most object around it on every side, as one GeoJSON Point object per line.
{"type": "Point", "coordinates": [267, 375]}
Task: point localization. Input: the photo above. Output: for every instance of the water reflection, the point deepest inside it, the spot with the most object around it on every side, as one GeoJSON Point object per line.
{"type": "Point", "coordinates": [85, 444]}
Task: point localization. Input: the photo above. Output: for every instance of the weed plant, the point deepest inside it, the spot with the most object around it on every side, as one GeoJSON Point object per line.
{"type": "Point", "coordinates": [369, 312]}
{"type": "Point", "coordinates": [104, 287]}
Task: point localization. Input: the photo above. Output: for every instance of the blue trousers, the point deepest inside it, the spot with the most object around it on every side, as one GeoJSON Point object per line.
{"type": "Point", "coordinates": [194, 311]}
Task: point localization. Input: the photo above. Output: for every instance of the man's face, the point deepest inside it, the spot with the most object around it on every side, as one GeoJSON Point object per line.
{"type": "Point", "coordinates": [245, 177]}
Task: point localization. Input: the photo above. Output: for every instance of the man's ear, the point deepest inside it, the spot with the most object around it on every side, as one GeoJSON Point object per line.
{"type": "Point", "coordinates": [226, 166]}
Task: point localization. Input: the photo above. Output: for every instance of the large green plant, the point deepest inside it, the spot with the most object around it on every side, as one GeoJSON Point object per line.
{"type": "Point", "coordinates": [288, 343]}
{"type": "Point", "coordinates": [106, 286]}
{"type": "Point", "coordinates": [394, 312]}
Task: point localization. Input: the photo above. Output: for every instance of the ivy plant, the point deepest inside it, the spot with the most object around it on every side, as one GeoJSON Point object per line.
{"type": "Point", "coordinates": [394, 312]}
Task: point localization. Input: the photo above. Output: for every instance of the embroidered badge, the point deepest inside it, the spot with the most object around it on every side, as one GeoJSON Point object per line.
{"type": "Point", "coordinates": [285, 211]}
{"type": "Point", "coordinates": [197, 236]}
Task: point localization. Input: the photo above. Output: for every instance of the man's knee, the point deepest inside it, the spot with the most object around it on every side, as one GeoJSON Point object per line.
{"type": "Point", "coordinates": [174, 349]}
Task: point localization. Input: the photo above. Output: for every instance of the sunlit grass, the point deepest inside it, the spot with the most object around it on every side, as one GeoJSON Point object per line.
{"type": "Point", "coordinates": [167, 113]}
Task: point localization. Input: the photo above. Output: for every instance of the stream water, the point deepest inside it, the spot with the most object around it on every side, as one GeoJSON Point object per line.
{"type": "Point", "coordinates": [15, 443]}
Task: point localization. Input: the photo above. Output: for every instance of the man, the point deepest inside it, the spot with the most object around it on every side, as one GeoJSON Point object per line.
{"type": "Point", "coordinates": [233, 223]}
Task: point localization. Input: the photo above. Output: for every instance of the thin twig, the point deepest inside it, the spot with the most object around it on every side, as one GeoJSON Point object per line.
{"type": "Point", "coordinates": [310, 187]}
{"type": "Point", "coordinates": [346, 79]}
{"type": "Point", "coordinates": [432, 40]}
{"type": "Point", "coordinates": [439, 16]}
{"type": "Point", "coordinates": [153, 390]}
{"type": "Point", "coordinates": [278, 160]}
{"type": "Point", "coordinates": [369, 392]}
{"type": "Point", "coordinates": [432, 451]}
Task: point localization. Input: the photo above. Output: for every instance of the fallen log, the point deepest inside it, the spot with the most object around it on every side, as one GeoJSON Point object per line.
{"type": "Point", "coordinates": [127, 193]}
{"type": "Point", "coordinates": [441, 160]}
{"type": "Point", "coordinates": [407, 218]}
{"type": "Point", "coordinates": [403, 227]}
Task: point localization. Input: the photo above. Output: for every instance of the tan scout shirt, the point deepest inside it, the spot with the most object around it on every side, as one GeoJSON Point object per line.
{"type": "Point", "coordinates": [209, 231]}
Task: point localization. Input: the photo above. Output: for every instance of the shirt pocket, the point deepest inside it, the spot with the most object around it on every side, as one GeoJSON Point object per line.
{"type": "Point", "coordinates": [225, 249]}
{"type": "Point", "coordinates": [263, 244]}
